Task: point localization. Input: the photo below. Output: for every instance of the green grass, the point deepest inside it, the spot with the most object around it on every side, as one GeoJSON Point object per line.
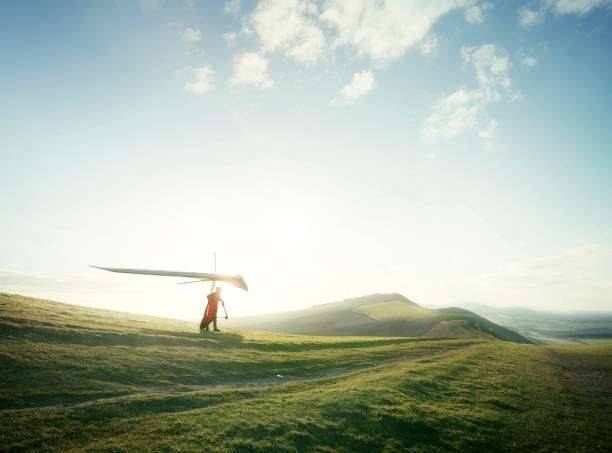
{"type": "Point", "coordinates": [81, 379]}
{"type": "Point", "coordinates": [382, 315]}
{"type": "Point", "coordinates": [451, 329]}
{"type": "Point", "coordinates": [393, 309]}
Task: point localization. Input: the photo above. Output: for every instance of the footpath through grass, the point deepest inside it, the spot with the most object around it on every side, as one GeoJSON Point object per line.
{"type": "Point", "coordinates": [79, 379]}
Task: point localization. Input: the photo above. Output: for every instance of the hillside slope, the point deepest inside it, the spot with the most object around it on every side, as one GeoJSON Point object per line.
{"type": "Point", "coordinates": [382, 315]}
{"type": "Point", "coordinates": [80, 379]}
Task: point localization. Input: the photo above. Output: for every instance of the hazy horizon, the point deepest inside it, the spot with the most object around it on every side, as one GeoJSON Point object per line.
{"type": "Point", "coordinates": [187, 305]}
{"type": "Point", "coordinates": [451, 151]}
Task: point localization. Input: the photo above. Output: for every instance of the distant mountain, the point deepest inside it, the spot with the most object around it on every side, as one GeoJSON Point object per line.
{"type": "Point", "coordinates": [381, 315]}
{"type": "Point", "coordinates": [535, 323]}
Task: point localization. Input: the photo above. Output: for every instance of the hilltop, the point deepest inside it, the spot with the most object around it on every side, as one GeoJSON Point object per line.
{"type": "Point", "coordinates": [382, 315]}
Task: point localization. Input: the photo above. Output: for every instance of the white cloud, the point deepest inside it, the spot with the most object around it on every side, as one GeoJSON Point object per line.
{"type": "Point", "coordinates": [515, 96]}
{"type": "Point", "coordinates": [488, 135]}
{"type": "Point", "coordinates": [529, 62]}
{"type": "Point", "coordinates": [380, 30]}
{"type": "Point", "coordinates": [230, 38]}
{"type": "Point", "coordinates": [362, 83]}
{"type": "Point", "coordinates": [474, 15]}
{"type": "Point", "coordinates": [577, 6]}
{"type": "Point", "coordinates": [232, 7]}
{"type": "Point", "coordinates": [384, 30]}
{"type": "Point", "coordinates": [429, 44]}
{"type": "Point", "coordinates": [463, 109]}
{"type": "Point", "coordinates": [491, 64]}
{"type": "Point", "coordinates": [530, 17]}
{"type": "Point", "coordinates": [202, 81]}
{"type": "Point", "coordinates": [191, 36]}
{"type": "Point", "coordinates": [454, 114]}
{"type": "Point", "coordinates": [289, 27]}
{"type": "Point", "coordinates": [251, 69]}
{"type": "Point", "coordinates": [151, 5]}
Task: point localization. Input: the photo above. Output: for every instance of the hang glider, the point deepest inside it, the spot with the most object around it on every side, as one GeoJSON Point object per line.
{"type": "Point", "coordinates": [235, 280]}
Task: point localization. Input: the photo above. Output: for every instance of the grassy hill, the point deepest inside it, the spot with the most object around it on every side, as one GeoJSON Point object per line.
{"type": "Point", "coordinates": [77, 379]}
{"type": "Point", "coordinates": [382, 315]}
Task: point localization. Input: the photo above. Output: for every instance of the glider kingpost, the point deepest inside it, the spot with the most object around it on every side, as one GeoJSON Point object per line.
{"type": "Point", "coordinates": [235, 280]}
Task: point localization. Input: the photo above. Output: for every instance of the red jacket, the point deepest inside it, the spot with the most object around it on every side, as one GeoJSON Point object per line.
{"type": "Point", "coordinates": [211, 308]}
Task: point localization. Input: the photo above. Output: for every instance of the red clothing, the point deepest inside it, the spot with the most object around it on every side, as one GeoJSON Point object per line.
{"type": "Point", "coordinates": [211, 307]}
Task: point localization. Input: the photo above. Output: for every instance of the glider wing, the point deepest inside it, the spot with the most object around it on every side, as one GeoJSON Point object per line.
{"type": "Point", "coordinates": [235, 280]}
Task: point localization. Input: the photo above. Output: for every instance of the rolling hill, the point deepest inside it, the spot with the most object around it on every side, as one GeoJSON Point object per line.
{"type": "Point", "coordinates": [83, 379]}
{"type": "Point", "coordinates": [381, 315]}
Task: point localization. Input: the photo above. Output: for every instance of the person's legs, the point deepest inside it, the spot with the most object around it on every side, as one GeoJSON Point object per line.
{"type": "Point", "coordinates": [204, 326]}
{"type": "Point", "coordinates": [215, 325]}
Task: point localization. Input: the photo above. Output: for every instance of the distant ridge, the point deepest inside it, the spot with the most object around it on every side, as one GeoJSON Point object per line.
{"type": "Point", "coordinates": [381, 315]}
{"type": "Point", "coordinates": [374, 299]}
{"type": "Point", "coordinates": [541, 325]}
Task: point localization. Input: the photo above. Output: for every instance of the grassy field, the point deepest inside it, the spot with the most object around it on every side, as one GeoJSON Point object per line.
{"type": "Point", "coordinates": [81, 379]}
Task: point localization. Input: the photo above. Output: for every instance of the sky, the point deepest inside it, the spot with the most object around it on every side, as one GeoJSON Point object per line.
{"type": "Point", "coordinates": [454, 151]}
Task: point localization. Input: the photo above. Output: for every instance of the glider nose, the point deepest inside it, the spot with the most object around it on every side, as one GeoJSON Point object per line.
{"type": "Point", "coordinates": [240, 283]}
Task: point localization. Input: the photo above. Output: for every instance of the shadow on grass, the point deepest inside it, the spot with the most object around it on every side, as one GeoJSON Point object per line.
{"type": "Point", "coordinates": [46, 333]}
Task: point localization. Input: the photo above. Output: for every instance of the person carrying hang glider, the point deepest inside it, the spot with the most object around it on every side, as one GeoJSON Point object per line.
{"type": "Point", "coordinates": [210, 315]}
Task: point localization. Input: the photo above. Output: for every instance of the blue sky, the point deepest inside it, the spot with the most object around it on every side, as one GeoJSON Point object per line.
{"type": "Point", "coordinates": [455, 151]}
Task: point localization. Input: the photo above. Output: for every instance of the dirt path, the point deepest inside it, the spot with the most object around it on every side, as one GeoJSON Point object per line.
{"type": "Point", "coordinates": [274, 380]}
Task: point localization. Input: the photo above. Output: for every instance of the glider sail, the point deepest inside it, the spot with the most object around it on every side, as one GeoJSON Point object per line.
{"type": "Point", "coordinates": [235, 280]}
